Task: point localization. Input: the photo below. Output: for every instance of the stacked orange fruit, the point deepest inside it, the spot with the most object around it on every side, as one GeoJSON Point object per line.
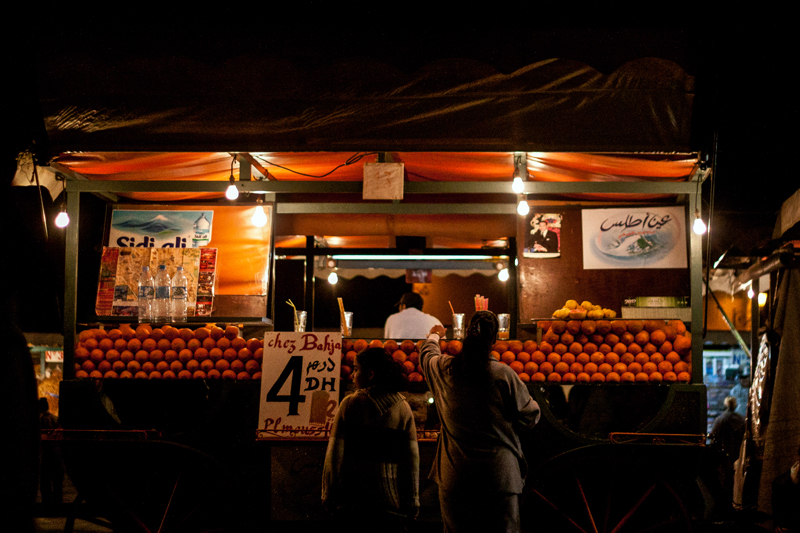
{"type": "Point", "coordinates": [586, 351]}
{"type": "Point", "coordinates": [209, 352]}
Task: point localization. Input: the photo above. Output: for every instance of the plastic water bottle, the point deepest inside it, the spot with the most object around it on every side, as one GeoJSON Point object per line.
{"type": "Point", "coordinates": [179, 296]}
{"type": "Point", "coordinates": [147, 293]}
{"type": "Point", "coordinates": [161, 308]}
{"type": "Point", "coordinates": [202, 231]}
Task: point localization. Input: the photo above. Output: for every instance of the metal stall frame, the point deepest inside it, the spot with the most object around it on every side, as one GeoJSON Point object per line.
{"type": "Point", "coordinates": [76, 185]}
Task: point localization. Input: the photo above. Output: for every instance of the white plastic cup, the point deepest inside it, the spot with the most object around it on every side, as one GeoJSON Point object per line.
{"type": "Point", "coordinates": [300, 323]}
{"type": "Point", "coordinates": [458, 326]}
{"type": "Point", "coordinates": [348, 319]}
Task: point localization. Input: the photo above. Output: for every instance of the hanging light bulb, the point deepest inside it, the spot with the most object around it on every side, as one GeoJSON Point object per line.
{"type": "Point", "coordinates": [750, 293]}
{"type": "Point", "coordinates": [517, 185]}
{"type": "Point", "coordinates": [333, 278]}
{"type": "Point", "coordinates": [699, 227]}
{"type": "Point", "coordinates": [232, 193]}
{"type": "Point", "coordinates": [523, 208]}
{"type": "Point", "coordinates": [259, 219]}
{"type": "Point", "coordinates": [62, 220]}
{"type": "Point", "coordinates": [503, 275]}
{"type": "Point", "coordinates": [762, 299]}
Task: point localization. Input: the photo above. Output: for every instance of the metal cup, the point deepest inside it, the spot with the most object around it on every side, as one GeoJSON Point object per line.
{"type": "Point", "coordinates": [504, 323]}
{"type": "Point", "coordinates": [348, 320]}
{"type": "Point", "coordinates": [458, 326]}
{"type": "Point", "coordinates": [300, 322]}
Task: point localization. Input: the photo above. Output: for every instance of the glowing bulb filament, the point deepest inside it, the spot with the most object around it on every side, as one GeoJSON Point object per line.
{"type": "Point", "coordinates": [62, 220]}
{"type": "Point", "coordinates": [523, 208]}
{"type": "Point", "coordinates": [259, 219]}
{"type": "Point", "coordinates": [699, 227]}
{"type": "Point", "coordinates": [517, 185]}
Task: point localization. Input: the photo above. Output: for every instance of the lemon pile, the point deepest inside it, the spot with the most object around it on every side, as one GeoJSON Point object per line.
{"type": "Point", "coordinates": [585, 309]}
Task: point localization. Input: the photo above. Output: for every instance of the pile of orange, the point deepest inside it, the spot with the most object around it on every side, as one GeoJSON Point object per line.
{"type": "Point", "coordinates": [406, 353]}
{"type": "Point", "coordinates": [209, 352]}
{"type": "Point", "coordinates": [586, 351]}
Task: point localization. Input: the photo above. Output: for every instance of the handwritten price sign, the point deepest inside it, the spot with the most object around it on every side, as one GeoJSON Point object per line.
{"type": "Point", "coordinates": [299, 385]}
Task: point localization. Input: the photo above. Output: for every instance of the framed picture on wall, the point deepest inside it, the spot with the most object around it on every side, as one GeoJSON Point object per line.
{"type": "Point", "coordinates": [543, 235]}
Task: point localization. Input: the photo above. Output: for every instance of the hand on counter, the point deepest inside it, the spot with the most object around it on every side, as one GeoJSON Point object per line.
{"type": "Point", "coordinates": [439, 330]}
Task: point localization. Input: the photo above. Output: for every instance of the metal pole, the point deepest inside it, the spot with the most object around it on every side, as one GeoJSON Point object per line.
{"type": "Point", "coordinates": [309, 279]}
{"type": "Point", "coordinates": [71, 283]}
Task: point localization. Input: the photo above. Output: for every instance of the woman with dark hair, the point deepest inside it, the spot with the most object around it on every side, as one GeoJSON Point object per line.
{"type": "Point", "coordinates": [482, 403]}
{"type": "Point", "coordinates": [371, 473]}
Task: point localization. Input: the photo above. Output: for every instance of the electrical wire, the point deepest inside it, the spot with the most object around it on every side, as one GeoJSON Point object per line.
{"type": "Point", "coordinates": [355, 158]}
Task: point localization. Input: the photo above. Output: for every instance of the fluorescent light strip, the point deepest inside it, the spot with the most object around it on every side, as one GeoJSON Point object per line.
{"type": "Point", "coordinates": [351, 257]}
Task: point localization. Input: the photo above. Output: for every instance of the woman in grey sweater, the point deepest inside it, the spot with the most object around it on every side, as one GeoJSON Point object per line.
{"type": "Point", "coordinates": [482, 403]}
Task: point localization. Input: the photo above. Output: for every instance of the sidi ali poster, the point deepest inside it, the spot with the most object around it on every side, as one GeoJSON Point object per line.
{"type": "Point", "coordinates": [652, 237]}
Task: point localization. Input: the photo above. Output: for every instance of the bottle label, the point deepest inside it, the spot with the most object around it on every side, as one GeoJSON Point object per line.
{"type": "Point", "coordinates": [147, 292]}
{"type": "Point", "coordinates": [178, 293]}
{"type": "Point", "coordinates": [162, 292]}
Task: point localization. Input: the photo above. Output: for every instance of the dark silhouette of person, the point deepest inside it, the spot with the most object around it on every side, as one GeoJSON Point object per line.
{"type": "Point", "coordinates": [51, 470]}
{"type": "Point", "coordinates": [726, 439]}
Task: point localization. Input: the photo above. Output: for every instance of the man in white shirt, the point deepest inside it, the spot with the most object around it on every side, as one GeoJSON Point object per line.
{"type": "Point", "coordinates": [410, 322]}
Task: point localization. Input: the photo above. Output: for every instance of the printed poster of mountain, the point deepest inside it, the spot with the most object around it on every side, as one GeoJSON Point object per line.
{"type": "Point", "coordinates": [160, 229]}
{"type": "Point", "coordinates": [641, 237]}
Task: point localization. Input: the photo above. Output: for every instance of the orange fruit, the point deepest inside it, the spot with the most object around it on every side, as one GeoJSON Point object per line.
{"type": "Point", "coordinates": [103, 367]}
{"type": "Point", "coordinates": [559, 326]}
{"type": "Point", "coordinates": [683, 345]}
{"type": "Point", "coordinates": [576, 368]}
{"type": "Point", "coordinates": [685, 377]}
{"type": "Point", "coordinates": [516, 366]}
{"type": "Point", "coordinates": [596, 339]}
{"type": "Point", "coordinates": [408, 366]}
{"type": "Point", "coordinates": [215, 354]}
{"type": "Point", "coordinates": [501, 346]}
{"type": "Point", "coordinates": [515, 346]}
{"type": "Point", "coordinates": [415, 377]}
{"type": "Point", "coordinates": [649, 368]}
{"type": "Point", "coordinates": [567, 338]}
{"type": "Point", "coordinates": [612, 358]}
{"type": "Point", "coordinates": [634, 368]}
{"type": "Point", "coordinates": [611, 339]}
{"type": "Point", "coordinates": [575, 348]}
{"type": "Point", "coordinates": [590, 347]}
{"type": "Point", "coordinates": [588, 327]}
{"type": "Point", "coordinates": [652, 325]}
{"type": "Point", "coordinates": [546, 368]}
{"type": "Point", "coordinates": [149, 345]}
{"type": "Point", "coordinates": [619, 326]}
{"type": "Point", "coordinates": [85, 335]}
{"type": "Point", "coordinates": [163, 345]}
{"type": "Point", "coordinates": [156, 356]}
{"type": "Point", "coordinates": [216, 333]}
{"type": "Point", "coordinates": [170, 333]}
{"type": "Point", "coordinates": [604, 369]}
{"type": "Point", "coordinates": [524, 377]}
{"type": "Point", "coordinates": [658, 337]}
{"type": "Point", "coordinates": [602, 327]}
{"type": "Point", "coordinates": [229, 355]}
{"type": "Point", "coordinates": [105, 344]}
{"type": "Point", "coordinates": [574, 326]}
{"type": "Point", "coordinates": [642, 338]}
{"type": "Point", "coordinates": [243, 355]}
{"type": "Point", "coordinates": [554, 376]}
{"type": "Point", "coordinates": [177, 344]}
{"type": "Point", "coordinates": [250, 366]}
{"type": "Point", "coordinates": [545, 347]}
{"type": "Point", "coordinates": [157, 334]}
{"type": "Point", "coordinates": [605, 348]}
{"type": "Point", "coordinates": [193, 365]}
{"type": "Point", "coordinates": [507, 357]}
{"type": "Point", "coordinates": [530, 346]}
{"type": "Point", "coordinates": [143, 332]}
{"type": "Point", "coordinates": [209, 343]}
{"type": "Point", "coordinates": [583, 377]}
{"type": "Point", "coordinates": [620, 368]}
{"type": "Point", "coordinates": [649, 348]}
{"type": "Point", "coordinates": [168, 374]}
{"type": "Point", "coordinates": [224, 343]}
{"type": "Point", "coordinates": [134, 345]}
{"type": "Point", "coordinates": [127, 333]}
{"type": "Point", "coordinates": [207, 364]}
{"type": "Point", "coordinates": [538, 357]}
{"type": "Point", "coordinates": [374, 343]}
{"type": "Point", "coordinates": [236, 365]}
{"type": "Point", "coordinates": [97, 355]}
{"type": "Point", "coordinates": [522, 357]}
{"type": "Point", "coordinates": [642, 358]}
{"type": "Point", "coordinates": [553, 358]}
{"type": "Point", "coordinates": [560, 348]}
{"type": "Point", "coordinates": [590, 368]}
{"type": "Point", "coordinates": [238, 343]}
{"type": "Point", "coordinates": [125, 356]}
{"type": "Point", "coordinates": [656, 358]}
{"type": "Point", "coordinates": [641, 376]}
{"type": "Point", "coordinates": [673, 357]}
{"type": "Point", "coordinates": [222, 365]}
{"type": "Point", "coordinates": [530, 368]}
{"type": "Point", "coordinates": [163, 366]}
{"type": "Point", "coordinates": [561, 368]}
{"type": "Point", "coordinates": [678, 325]}
{"type": "Point", "coordinates": [569, 377]}
{"type": "Point", "coordinates": [538, 376]}
{"type": "Point", "coordinates": [134, 366]}
{"type": "Point", "coordinates": [406, 345]}
{"type": "Point", "coordinates": [583, 358]}
{"type": "Point", "coordinates": [598, 377]}
{"type": "Point", "coordinates": [627, 377]}
{"type": "Point", "coordinates": [619, 348]}
{"type": "Point", "coordinates": [568, 358]}
{"type": "Point", "coordinates": [185, 355]}
{"type": "Point", "coordinates": [612, 377]}
{"type": "Point", "coordinates": [670, 376]}
{"type": "Point", "coordinates": [680, 367]}
{"type": "Point", "coordinates": [120, 344]}
{"type": "Point", "coordinates": [597, 358]}
{"type": "Point", "coordinates": [670, 333]}
{"type": "Point", "coordinates": [202, 333]}
{"type": "Point", "coordinates": [231, 332]}
{"type": "Point", "coordinates": [634, 348]}
{"type": "Point", "coordinates": [495, 355]}
{"type": "Point", "coordinates": [112, 355]}
{"type": "Point", "coordinates": [626, 338]}
{"type": "Point", "coordinates": [399, 355]}
{"type": "Point", "coordinates": [664, 367]}
{"type": "Point", "coordinates": [635, 326]}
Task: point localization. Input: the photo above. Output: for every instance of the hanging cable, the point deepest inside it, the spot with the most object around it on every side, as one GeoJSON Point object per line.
{"type": "Point", "coordinates": [355, 158]}
{"type": "Point", "coordinates": [41, 200]}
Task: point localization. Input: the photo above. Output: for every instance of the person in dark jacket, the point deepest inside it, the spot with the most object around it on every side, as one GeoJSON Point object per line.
{"type": "Point", "coordinates": [51, 471]}
{"type": "Point", "coordinates": [726, 439]}
{"type": "Point", "coordinates": [482, 405]}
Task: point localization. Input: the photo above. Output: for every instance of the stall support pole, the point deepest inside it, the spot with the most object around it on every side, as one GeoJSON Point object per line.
{"type": "Point", "coordinates": [71, 282]}
{"type": "Point", "coordinates": [512, 286]}
{"type": "Point", "coordinates": [309, 292]}
{"type": "Point", "coordinates": [755, 323]}
{"type": "Point", "coordinates": [696, 296]}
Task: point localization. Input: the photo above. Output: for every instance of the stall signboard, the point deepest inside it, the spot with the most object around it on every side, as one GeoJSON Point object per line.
{"type": "Point", "coordinates": [299, 385]}
{"type": "Point", "coordinates": [160, 228]}
{"type": "Point", "coordinates": [652, 237]}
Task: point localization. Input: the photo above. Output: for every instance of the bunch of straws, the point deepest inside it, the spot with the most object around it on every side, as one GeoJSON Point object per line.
{"type": "Point", "coordinates": [296, 320]}
{"type": "Point", "coordinates": [481, 303]}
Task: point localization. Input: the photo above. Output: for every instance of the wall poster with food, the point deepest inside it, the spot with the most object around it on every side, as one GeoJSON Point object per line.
{"type": "Point", "coordinates": [635, 237]}
{"type": "Point", "coordinates": [299, 385]}
{"type": "Point", "coordinates": [543, 238]}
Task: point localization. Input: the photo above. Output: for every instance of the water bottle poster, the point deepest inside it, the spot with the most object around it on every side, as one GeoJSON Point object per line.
{"type": "Point", "coordinates": [160, 229]}
{"type": "Point", "coordinates": [637, 237]}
